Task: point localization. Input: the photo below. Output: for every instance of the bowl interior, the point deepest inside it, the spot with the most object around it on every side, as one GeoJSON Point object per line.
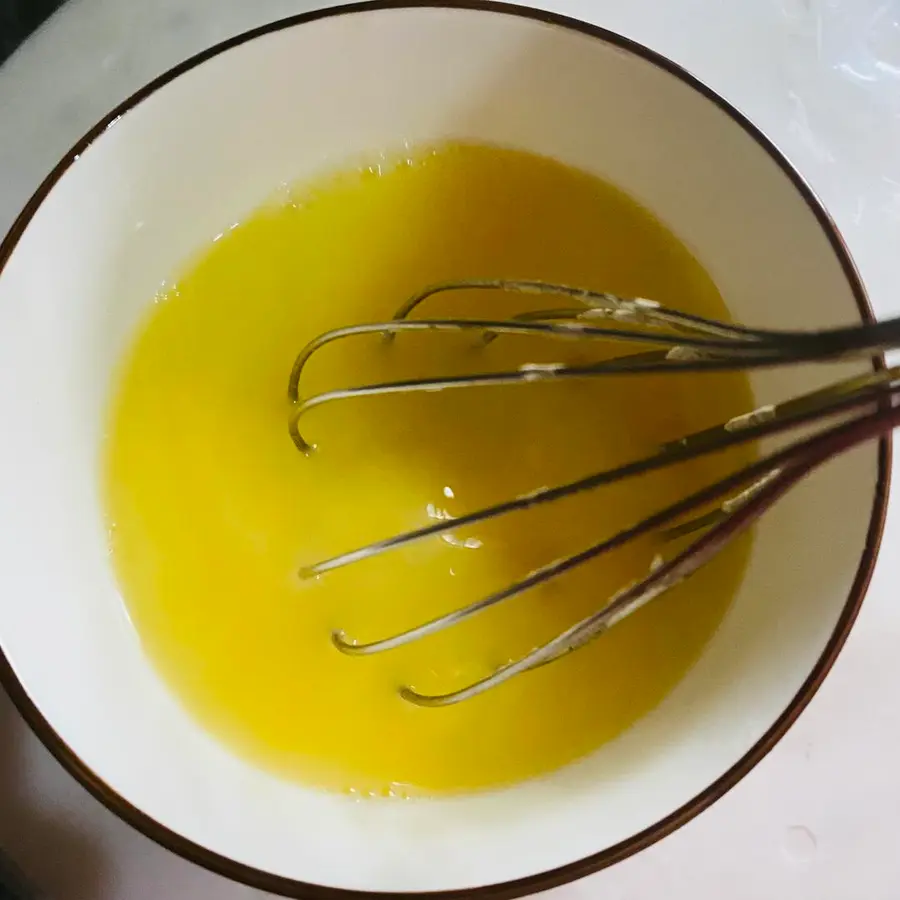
{"type": "Point", "coordinates": [207, 147]}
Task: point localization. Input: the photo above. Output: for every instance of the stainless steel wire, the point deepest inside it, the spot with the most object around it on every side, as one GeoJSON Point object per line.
{"type": "Point", "coordinates": [851, 412]}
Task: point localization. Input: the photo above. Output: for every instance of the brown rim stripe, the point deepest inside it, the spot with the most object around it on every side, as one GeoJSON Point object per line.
{"type": "Point", "coordinates": [302, 891]}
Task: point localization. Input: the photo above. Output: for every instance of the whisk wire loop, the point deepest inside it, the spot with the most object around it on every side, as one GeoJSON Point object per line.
{"type": "Point", "coordinates": [784, 470]}
{"type": "Point", "coordinates": [853, 410]}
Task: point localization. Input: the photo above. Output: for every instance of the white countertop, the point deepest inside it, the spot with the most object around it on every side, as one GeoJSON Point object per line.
{"type": "Point", "coordinates": [817, 820]}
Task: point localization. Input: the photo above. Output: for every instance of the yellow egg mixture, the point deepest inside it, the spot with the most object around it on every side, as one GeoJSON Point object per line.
{"type": "Point", "coordinates": [212, 509]}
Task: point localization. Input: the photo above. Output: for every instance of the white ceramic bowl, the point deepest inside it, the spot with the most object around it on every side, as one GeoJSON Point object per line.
{"type": "Point", "coordinates": [202, 146]}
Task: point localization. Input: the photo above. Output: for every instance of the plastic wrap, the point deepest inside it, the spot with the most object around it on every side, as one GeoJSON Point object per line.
{"type": "Point", "coordinates": [841, 72]}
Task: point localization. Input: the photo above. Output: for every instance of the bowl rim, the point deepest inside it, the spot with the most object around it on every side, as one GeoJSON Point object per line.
{"type": "Point", "coordinates": [289, 887]}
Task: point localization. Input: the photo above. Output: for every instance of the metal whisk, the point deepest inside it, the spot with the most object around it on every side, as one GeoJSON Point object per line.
{"type": "Point", "coordinates": [852, 411]}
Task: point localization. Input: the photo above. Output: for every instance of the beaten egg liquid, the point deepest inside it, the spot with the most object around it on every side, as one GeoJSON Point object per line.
{"type": "Point", "coordinates": [212, 510]}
